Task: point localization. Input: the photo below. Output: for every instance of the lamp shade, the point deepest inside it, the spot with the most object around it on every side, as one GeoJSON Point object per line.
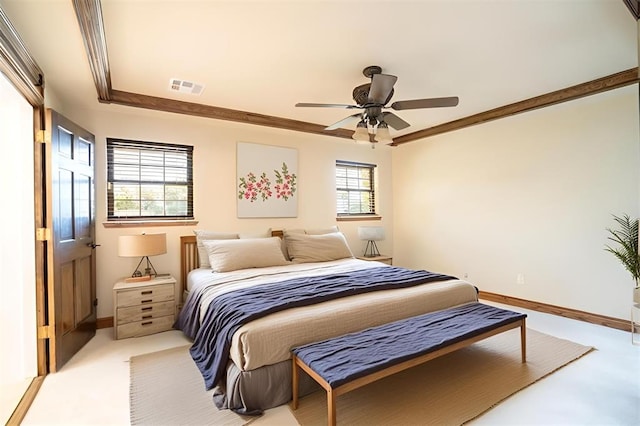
{"type": "Point", "coordinates": [382, 133]}
{"type": "Point", "coordinates": [142, 245]}
{"type": "Point", "coordinates": [361, 133]}
{"type": "Point", "coordinates": [371, 233]}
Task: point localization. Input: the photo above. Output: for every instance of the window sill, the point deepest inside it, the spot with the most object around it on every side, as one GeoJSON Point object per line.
{"type": "Point", "coordinates": [357, 218]}
{"type": "Point", "coordinates": [139, 223]}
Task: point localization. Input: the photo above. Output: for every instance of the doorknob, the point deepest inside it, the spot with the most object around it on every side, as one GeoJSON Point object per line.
{"type": "Point", "coordinates": [92, 245]}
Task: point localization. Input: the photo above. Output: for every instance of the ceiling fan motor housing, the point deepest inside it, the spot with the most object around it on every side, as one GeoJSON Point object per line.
{"type": "Point", "coordinates": [361, 95]}
{"type": "Point", "coordinates": [373, 115]}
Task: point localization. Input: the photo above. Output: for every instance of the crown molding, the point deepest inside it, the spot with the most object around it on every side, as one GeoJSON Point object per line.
{"type": "Point", "coordinates": [578, 91]}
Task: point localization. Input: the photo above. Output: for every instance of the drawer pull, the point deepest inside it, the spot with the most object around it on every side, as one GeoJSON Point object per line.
{"type": "Point", "coordinates": [147, 316]}
{"type": "Point", "coordinates": [147, 292]}
{"type": "Point", "coordinates": [146, 301]}
{"type": "Point", "coordinates": [146, 323]}
{"type": "Point", "coordinates": [147, 308]}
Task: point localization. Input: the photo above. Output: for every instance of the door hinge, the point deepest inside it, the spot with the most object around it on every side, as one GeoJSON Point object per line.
{"type": "Point", "coordinates": [43, 136]}
{"type": "Point", "coordinates": [45, 332]}
{"type": "Point", "coordinates": [43, 234]}
{"type": "Point", "coordinates": [95, 302]}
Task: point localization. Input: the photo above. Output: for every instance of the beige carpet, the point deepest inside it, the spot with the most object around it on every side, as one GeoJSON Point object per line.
{"type": "Point", "coordinates": [166, 387]}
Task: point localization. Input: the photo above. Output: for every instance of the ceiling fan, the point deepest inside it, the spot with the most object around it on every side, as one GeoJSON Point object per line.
{"type": "Point", "coordinates": [372, 98]}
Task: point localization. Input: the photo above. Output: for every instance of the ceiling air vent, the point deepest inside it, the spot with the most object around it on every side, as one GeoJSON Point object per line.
{"type": "Point", "coordinates": [184, 86]}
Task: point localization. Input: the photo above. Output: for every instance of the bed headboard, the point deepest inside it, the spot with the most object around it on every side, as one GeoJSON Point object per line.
{"type": "Point", "coordinates": [189, 259]}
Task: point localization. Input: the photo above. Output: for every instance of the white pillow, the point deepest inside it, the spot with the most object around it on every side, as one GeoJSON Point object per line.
{"type": "Point", "coordinates": [319, 231]}
{"type": "Point", "coordinates": [202, 236]}
{"type": "Point", "coordinates": [231, 255]}
{"type": "Point", "coordinates": [304, 248]}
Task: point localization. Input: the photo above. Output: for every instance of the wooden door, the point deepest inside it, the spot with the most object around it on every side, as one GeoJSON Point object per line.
{"type": "Point", "coordinates": [72, 288]}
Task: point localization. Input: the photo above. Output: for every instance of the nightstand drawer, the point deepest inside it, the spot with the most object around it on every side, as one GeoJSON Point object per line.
{"type": "Point", "coordinates": [145, 295]}
{"type": "Point", "coordinates": [142, 328]}
{"type": "Point", "coordinates": [145, 312]}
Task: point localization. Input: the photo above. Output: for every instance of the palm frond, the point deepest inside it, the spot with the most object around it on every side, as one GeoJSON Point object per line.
{"type": "Point", "coordinates": [626, 237]}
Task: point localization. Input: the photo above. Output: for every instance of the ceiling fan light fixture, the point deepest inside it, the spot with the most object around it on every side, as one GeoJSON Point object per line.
{"type": "Point", "coordinates": [382, 133]}
{"type": "Point", "coordinates": [361, 133]}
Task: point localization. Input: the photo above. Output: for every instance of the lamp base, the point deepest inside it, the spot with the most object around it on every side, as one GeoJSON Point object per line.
{"type": "Point", "coordinates": [371, 250]}
{"type": "Point", "coordinates": [149, 271]}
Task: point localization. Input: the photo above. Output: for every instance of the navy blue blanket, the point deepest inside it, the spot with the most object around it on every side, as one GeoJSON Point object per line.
{"type": "Point", "coordinates": [348, 357]}
{"type": "Point", "coordinates": [229, 311]}
{"type": "Point", "coordinates": [189, 317]}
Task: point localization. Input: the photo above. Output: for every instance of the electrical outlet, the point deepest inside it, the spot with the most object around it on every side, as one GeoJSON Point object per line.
{"type": "Point", "coordinates": [465, 275]}
{"type": "Point", "coordinates": [520, 278]}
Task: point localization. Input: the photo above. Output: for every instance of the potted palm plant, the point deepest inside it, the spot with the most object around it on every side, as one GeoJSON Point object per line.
{"type": "Point", "coordinates": [626, 250]}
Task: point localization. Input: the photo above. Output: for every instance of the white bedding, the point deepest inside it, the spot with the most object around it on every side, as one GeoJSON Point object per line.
{"type": "Point", "coordinates": [269, 340]}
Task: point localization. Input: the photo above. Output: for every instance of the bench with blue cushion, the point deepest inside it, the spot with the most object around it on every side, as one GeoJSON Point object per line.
{"type": "Point", "coordinates": [344, 363]}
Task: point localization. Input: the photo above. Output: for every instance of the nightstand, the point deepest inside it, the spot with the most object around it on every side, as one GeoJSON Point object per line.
{"type": "Point", "coordinates": [145, 307]}
{"type": "Point", "coordinates": [382, 258]}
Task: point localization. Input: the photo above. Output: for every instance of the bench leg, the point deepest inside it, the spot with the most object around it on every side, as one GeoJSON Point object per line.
{"type": "Point", "coordinates": [331, 408]}
{"type": "Point", "coordinates": [294, 381]}
{"type": "Point", "coordinates": [523, 341]}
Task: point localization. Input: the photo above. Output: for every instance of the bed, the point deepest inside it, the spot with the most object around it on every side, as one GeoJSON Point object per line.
{"type": "Point", "coordinates": [250, 369]}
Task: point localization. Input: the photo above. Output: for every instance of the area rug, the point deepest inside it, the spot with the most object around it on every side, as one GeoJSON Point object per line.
{"type": "Point", "coordinates": [167, 388]}
{"type": "Point", "coordinates": [450, 390]}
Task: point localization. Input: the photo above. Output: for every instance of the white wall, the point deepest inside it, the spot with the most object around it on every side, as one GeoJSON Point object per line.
{"type": "Point", "coordinates": [214, 182]}
{"type": "Point", "coordinates": [18, 357]}
{"type": "Point", "coordinates": [530, 194]}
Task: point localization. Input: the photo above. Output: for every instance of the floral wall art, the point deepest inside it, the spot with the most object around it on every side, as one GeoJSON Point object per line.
{"type": "Point", "coordinates": [267, 181]}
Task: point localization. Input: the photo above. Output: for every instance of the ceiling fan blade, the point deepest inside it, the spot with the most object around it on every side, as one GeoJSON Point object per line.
{"type": "Point", "coordinates": [394, 121]}
{"type": "Point", "coordinates": [303, 104]}
{"type": "Point", "coordinates": [426, 103]}
{"type": "Point", "coordinates": [381, 87]}
{"type": "Point", "coordinates": [344, 122]}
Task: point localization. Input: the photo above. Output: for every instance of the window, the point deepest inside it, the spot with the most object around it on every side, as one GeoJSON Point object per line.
{"type": "Point", "coordinates": [148, 180]}
{"type": "Point", "coordinates": [355, 188]}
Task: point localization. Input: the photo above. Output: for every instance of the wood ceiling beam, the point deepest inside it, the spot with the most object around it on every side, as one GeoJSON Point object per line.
{"type": "Point", "coordinates": [593, 87]}
{"type": "Point", "coordinates": [89, 15]}
{"type": "Point", "coordinates": [90, 21]}
{"type": "Point", "coordinates": [208, 111]}
{"type": "Point", "coordinates": [634, 8]}
{"type": "Point", "coordinates": [18, 65]}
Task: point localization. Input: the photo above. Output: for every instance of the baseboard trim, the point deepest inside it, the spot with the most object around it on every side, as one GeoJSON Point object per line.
{"type": "Point", "coordinates": [25, 402]}
{"type": "Point", "coordinates": [106, 322]}
{"type": "Point", "coordinates": [617, 323]}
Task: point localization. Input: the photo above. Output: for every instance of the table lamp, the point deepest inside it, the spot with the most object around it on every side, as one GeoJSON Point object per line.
{"type": "Point", "coordinates": [371, 234]}
{"type": "Point", "coordinates": [143, 246]}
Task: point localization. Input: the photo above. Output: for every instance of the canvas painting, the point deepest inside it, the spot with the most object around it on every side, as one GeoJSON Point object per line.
{"type": "Point", "coordinates": [267, 181]}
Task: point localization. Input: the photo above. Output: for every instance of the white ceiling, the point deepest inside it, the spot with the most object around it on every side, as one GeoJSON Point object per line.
{"type": "Point", "coordinates": [264, 56]}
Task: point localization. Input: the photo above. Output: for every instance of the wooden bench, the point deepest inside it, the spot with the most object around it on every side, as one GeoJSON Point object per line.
{"type": "Point", "coordinates": [381, 351]}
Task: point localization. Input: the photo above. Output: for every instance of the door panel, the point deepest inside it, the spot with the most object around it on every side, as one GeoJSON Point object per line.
{"type": "Point", "coordinates": [65, 205]}
{"type": "Point", "coordinates": [73, 230]}
{"type": "Point", "coordinates": [84, 292]}
{"type": "Point", "coordinates": [67, 320]}
{"type": "Point", "coordinates": [82, 204]}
